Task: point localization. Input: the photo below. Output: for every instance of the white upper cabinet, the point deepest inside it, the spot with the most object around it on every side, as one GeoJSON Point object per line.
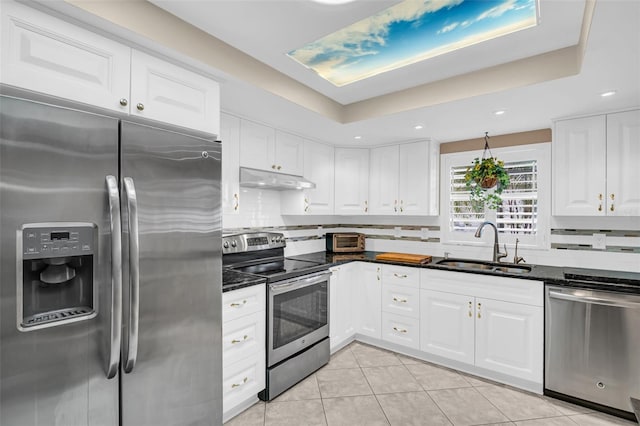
{"type": "Point", "coordinates": [623, 164]}
{"type": "Point", "coordinates": [166, 92]}
{"type": "Point", "coordinates": [230, 136]}
{"type": "Point", "coordinates": [257, 146]}
{"type": "Point", "coordinates": [579, 169]}
{"type": "Point", "coordinates": [48, 55]}
{"type": "Point", "coordinates": [289, 155]}
{"type": "Point", "coordinates": [383, 180]}
{"type": "Point", "coordinates": [318, 168]}
{"type": "Point", "coordinates": [595, 165]}
{"type": "Point", "coordinates": [265, 148]}
{"type": "Point", "coordinates": [351, 181]}
{"type": "Point", "coordinates": [404, 179]}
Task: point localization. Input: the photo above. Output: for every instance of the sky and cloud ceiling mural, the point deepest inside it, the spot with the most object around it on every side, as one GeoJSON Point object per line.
{"type": "Point", "coordinates": [409, 32]}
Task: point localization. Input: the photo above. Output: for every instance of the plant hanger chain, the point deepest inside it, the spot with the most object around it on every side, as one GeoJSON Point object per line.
{"type": "Point", "coordinates": [486, 147]}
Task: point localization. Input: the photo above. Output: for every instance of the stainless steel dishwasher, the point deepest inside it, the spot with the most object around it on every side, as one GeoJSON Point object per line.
{"type": "Point", "coordinates": [592, 346]}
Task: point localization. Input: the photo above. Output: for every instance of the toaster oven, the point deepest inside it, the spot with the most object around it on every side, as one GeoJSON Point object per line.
{"type": "Point", "coordinates": [344, 242]}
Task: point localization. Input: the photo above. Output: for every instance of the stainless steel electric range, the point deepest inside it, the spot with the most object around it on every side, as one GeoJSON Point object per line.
{"type": "Point", "coordinates": [297, 306]}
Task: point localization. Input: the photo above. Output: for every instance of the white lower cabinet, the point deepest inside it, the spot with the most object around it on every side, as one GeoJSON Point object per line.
{"type": "Point", "coordinates": [401, 330]}
{"type": "Point", "coordinates": [368, 301]}
{"type": "Point", "coordinates": [243, 346]}
{"type": "Point", "coordinates": [461, 319]}
{"type": "Point", "coordinates": [509, 338]}
{"type": "Point", "coordinates": [342, 296]}
{"type": "Point", "coordinates": [447, 325]}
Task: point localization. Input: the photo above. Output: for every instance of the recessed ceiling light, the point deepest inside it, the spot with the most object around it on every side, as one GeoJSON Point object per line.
{"type": "Point", "coordinates": [609, 93]}
{"type": "Point", "coordinates": [357, 137]}
{"type": "Point", "coordinates": [417, 127]}
{"type": "Point", "coordinates": [499, 112]}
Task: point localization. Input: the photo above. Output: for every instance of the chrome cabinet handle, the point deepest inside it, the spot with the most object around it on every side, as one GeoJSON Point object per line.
{"type": "Point", "coordinates": [140, 106]}
{"type": "Point", "coordinates": [378, 273]}
{"type": "Point", "coordinates": [273, 166]}
{"type": "Point", "coordinates": [395, 299]}
{"type": "Point", "coordinates": [306, 204]}
{"type": "Point", "coordinates": [470, 309]}
{"type": "Point", "coordinates": [235, 341]}
{"type": "Point", "coordinates": [600, 205]}
{"type": "Point", "coordinates": [279, 167]}
{"type": "Point", "coordinates": [236, 202]}
{"type": "Point", "coordinates": [237, 385]}
{"type": "Point", "coordinates": [597, 299]}
{"type": "Point", "coordinates": [479, 313]}
{"type": "Point", "coordinates": [124, 102]}
{"type": "Point", "coordinates": [401, 206]}
{"type": "Point", "coordinates": [366, 206]}
{"type": "Point", "coordinates": [237, 305]}
{"type": "Point", "coordinates": [400, 330]}
{"type": "Point", "coordinates": [400, 276]}
{"type": "Point", "coordinates": [134, 276]}
{"type": "Point", "coordinates": [115, 335]}
{"type": "Point", "coordinates": [395, 205]}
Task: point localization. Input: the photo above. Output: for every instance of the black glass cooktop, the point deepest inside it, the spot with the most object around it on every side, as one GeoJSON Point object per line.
{"type": "Point", "coordinates": [282, 268]}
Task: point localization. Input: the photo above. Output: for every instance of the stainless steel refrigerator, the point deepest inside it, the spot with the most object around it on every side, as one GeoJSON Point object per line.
{"type": "Point", "coordinates": [110, 307]}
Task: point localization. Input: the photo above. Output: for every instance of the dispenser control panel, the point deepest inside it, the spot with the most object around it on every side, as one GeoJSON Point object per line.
{"type": "Point", "coordinates": [57, 240]}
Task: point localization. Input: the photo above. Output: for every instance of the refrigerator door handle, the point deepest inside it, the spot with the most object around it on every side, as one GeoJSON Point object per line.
{"type": "Point", "coordinates": [116, 277]}
{"type": "Point", "coordinates": [134, 276]}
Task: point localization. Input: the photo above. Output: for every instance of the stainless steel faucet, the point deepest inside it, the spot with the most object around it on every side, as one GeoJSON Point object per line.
{"type": "Point", "coordinates": [497, 255]}
{"type": "Point", "coordinates": [517, 259]}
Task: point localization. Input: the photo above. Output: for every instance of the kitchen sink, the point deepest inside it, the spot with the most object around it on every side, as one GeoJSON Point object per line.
{"type": "Point", "coordinates": [485, 266]}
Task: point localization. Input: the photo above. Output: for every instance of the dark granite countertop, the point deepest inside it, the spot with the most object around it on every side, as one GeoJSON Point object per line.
{"type": "Point", "coordinates": [620, 281]}
{"type": "Point", "coordinates": [234, 280]}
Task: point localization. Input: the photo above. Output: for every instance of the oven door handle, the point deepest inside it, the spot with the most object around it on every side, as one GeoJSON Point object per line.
{"type": "Point", "coordinates": [297, 283]}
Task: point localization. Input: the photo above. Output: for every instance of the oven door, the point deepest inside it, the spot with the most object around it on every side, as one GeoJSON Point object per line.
{"type": "Point", "coordinates": [298, 315]}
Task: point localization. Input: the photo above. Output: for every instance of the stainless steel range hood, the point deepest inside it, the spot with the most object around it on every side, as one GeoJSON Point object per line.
{"type": "Point", "coordinates": [252, 178]}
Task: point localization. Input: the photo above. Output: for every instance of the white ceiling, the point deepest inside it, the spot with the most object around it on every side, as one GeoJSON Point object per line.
{"type": "Point", "coordinates": [267, 29]}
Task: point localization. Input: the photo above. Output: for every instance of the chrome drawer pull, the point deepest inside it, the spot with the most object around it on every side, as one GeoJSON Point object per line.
{"type": "Point", "coordinates": [400, 330]}
{"type": "Point", "coordinates": [237, 305]}
{"type": "Point", "coordinates": [400, 276]}
{"type": "Point", "coordinates": [395, 299]}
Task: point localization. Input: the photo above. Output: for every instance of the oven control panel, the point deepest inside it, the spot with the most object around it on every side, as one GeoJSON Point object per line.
{"type": "Point", "coordinates": [252, 241]}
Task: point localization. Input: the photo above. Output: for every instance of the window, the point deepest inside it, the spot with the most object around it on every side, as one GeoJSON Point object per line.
{"type": "Point", "coordinates": [524, 211]}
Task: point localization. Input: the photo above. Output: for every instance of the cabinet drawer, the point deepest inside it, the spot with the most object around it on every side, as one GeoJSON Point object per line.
{"type": "Point", "coordinates": [244, 337]}
{"type": "Point", "coordinates": [402, 300]}
{"type": "Point", "coordinates": [527, 292]}
{"type": "Point", "coordinates": [245, 301]}
{"type": "Point", "coordinates": [242, 380]}
{"type": "Point", "coordinates": [400, 329]}
{"type": "Point", "coordinates": [400, 275]}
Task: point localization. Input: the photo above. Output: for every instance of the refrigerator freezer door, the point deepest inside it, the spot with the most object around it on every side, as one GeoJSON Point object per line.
{"type": "Point", "coordinates": [176, 378]}
{"type": "Point", "coordinates": [53, 164]}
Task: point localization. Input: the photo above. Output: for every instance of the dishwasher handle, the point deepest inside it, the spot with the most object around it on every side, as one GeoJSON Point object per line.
{"type": "Point", "coordinates": [595, 299]}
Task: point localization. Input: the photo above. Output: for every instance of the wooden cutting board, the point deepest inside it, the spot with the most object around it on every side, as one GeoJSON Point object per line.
{"type": "Point", "coordinates": [404, 257]}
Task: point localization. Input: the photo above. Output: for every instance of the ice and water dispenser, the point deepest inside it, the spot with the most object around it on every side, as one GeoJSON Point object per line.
{"type": "Point", "coordinates": [56, 274]}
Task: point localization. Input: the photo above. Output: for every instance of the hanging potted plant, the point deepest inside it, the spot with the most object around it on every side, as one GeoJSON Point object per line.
{"type": "Point", "coordinates": [484, 174]}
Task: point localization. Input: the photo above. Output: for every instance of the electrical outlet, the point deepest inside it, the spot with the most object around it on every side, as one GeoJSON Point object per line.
{"type": "Point", "coordinates": [599, 241]}
{"type": "Point", "coordinates": [320, 233]}
{"type": "Point", "coordinates": [424, 233]}
{"type": "Point", "coordinates": [397, 232]}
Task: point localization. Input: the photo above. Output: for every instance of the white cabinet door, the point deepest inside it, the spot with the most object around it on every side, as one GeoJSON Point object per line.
{"type": "Point", "coordinates": [509, 338]}
{"type": "Point", "coordinates": [447, 325]}
{"type": "Point", "coordinates": [623, 164]}
{"type": "Point", "coordinates": [288, 154]}
{"type": "Point", "coordinates": [351, 181]}
{"type": "Point", "coordinates": [257, 146]}
{"type": "Point", "coordinates": [383, 180]}
{"type": "Point", "coordinates": [166, 92]}
{"type": "Point", "coordinates": [579, 172]}
{"type": "Point", "coordinates": [318, 168]}
{"type": "Point", "coordinates": [413, 185]}
{"type": "Point", "coordinates": [48, 55]}
{"type": "Point", "coordinates": [368, 299]}
{"type": "Point", "coordinates": [242, 380]}
{"type": "Point", "coordinates": [243, 337]}
{"type": "Point", "coordinates": [341, 312]}
{"type": "Point", "coordinates": [230, 136]}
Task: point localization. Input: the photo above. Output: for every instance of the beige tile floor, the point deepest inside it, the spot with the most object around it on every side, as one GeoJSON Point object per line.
{"type": "Point", "coordinates": [364, 385]}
